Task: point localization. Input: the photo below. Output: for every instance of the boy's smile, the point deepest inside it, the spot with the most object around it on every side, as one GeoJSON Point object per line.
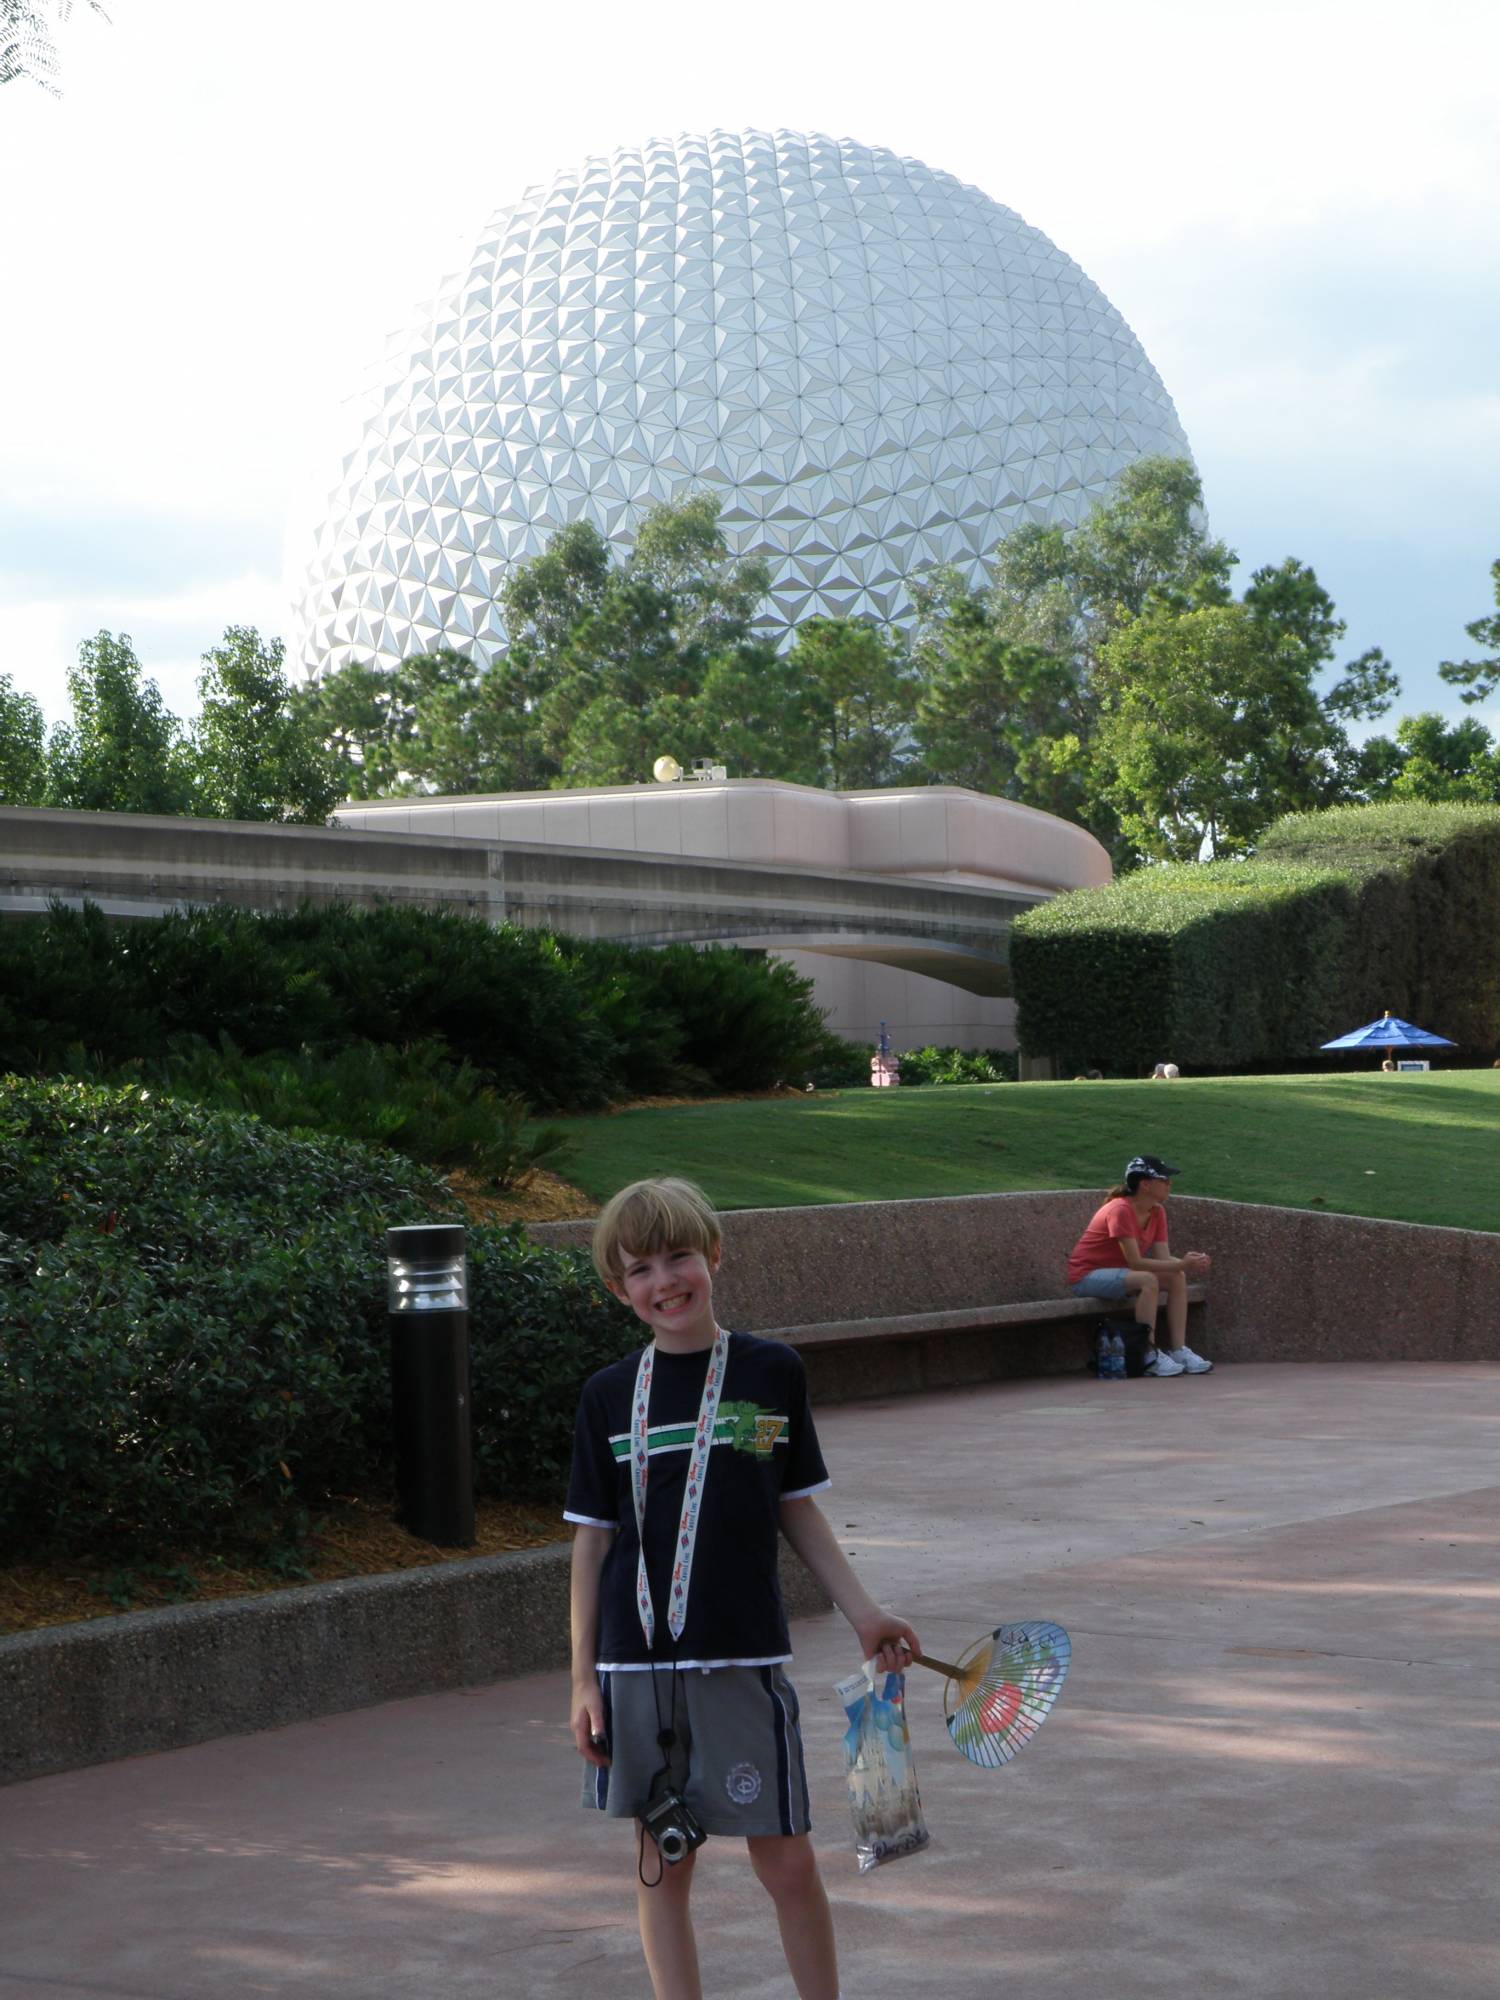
{"type": "Point", "coordinates": [672, 1291]}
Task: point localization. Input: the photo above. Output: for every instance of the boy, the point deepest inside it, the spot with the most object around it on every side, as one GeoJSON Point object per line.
{"type": "Point", "coordinates": [701, 1446]}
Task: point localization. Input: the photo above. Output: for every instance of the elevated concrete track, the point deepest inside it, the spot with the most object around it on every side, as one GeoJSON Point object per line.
{"type": "Point", "coordinates": [135, 866]}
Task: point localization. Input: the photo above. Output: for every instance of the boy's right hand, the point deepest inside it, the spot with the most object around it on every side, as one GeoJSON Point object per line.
{"type": "Point", "coordinates": [588, 1725]}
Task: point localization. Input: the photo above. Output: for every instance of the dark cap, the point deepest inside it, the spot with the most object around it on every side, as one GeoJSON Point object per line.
{"type": "Point", "coordinates": [1147, 1167]}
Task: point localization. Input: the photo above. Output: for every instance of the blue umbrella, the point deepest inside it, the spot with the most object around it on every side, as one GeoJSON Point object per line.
{"type": "Point", "coordinates": [1390, 1032]}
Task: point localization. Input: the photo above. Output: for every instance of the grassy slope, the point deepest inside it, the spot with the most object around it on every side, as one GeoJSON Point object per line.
{"type": "Point", "coordinates": [1412, 1148]}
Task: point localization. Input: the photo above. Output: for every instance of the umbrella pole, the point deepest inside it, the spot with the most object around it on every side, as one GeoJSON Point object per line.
{"type": "Point", "coordinates": [938, 1666]}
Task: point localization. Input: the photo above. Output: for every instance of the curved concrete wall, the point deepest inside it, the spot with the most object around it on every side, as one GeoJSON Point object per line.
{"type": "Point", "coordinates": [938, 833]}
{"type": "Point", "coordinates": [930, 830]}
{"type": "Point", "coordinates": [1286, 1285]}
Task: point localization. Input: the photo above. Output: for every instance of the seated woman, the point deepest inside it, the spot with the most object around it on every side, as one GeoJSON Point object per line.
{"type": "Point", "coordinates": [1123, 1254]}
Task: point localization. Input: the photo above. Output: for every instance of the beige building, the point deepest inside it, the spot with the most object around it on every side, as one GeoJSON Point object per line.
{"type": "Point", "coordinates": [1009, 853]}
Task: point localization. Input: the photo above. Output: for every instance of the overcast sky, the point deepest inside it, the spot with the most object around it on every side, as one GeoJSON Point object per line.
{"type": "Point", "coordinates": [209, 235]}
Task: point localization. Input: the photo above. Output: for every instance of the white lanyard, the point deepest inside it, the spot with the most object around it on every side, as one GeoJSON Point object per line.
{"type": "Point", "coordinates": [687, 1527]}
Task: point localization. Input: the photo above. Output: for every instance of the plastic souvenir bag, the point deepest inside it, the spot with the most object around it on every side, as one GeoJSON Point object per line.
{"type": "Point", "coordinates": [882, 1779]}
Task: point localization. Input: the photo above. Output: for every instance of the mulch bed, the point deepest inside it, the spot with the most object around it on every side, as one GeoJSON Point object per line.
{"type": "Point", "coordinates": [543, 1198]}
{"type": "Point", "coordinates": [353, 1537]}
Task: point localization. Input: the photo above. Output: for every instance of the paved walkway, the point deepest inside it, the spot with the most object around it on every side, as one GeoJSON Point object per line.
{"type": "Point", "coordinates": [1271, 1773]}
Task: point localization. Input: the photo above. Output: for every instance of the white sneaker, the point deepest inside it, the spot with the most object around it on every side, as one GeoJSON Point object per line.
{"type": "Point", "coordinates": [1164, 1364]}
{"type": "Point", "coordinates": [1190, 1363]}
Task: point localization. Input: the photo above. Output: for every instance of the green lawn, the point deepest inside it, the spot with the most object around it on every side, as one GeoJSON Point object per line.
{"type": "Point", "coordinates": [1411, 1147]}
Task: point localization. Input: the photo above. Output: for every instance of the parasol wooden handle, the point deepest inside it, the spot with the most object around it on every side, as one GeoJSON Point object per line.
{"type": "Point", "coordinates": [938, 1666]}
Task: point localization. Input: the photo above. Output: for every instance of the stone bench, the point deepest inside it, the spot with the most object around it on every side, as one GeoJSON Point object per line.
{"type": "Point", "coordinates": [886, 1297]}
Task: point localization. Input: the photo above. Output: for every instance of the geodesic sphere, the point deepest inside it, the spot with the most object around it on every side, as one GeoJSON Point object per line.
{"type": "Point", "coordinates": [876, 367]}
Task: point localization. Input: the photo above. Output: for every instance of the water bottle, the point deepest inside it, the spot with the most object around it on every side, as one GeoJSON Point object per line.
{"type": "Point", "coordinates": [1117, 1357]}
{"type": "Point", "coordinates": [1105, 1364]}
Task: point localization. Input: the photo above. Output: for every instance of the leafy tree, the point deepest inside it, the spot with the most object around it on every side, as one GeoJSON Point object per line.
{"type": "Point", "coordinates": [122, 751]}
{"type": "Point", "coordinates": [392, 730]}
{"type": "Point", "coordinates": [1011, 674]}
{"type": "Point", "coordinates": [627, 650]}
{"type": "Point", "coordinates": [1314, 762]}
{"type": "Point", "coordinates": [682, 550]}
{"type": "Point", "coordinates": [996, 714]}
{"type": "Point", "coordinates": [27, 47]}
{"type": "Point", "coordinates": [1211, 725]}
{"type": "Point", "coordinates": [475, 733]}
{"type": "Point", "coordinates": [1181, 730]}
{"type": "Point", "coordinates": [861, 692]}
{"type": "Point", "coordinates": [1293, 609]}
{"type": "Point", "coordinates": [545, 598]}
{"type": "Point", "coordinates": [253, 755]}
{"type": "Point", "coordinates": [1479, 678]}
{"type": "Point", "coordinates": [1067, 589]}
{"type": "Point", "coordinates": [1434, 761]}
{"type": "Point", "coordinates": [643, 633]}
{"type": "Point", "coordinates": [23, 748]}
{"type": "Point", "coordinates": [1109, 675]}
{"type": "Point", "coordinates": [757, 716]}
{"type": "Point", "coordinates": [1372, 769]}
{"type": "Point", "coordinates": [610, 663]}
{"type": "Point", "coordinates": [605, 663]}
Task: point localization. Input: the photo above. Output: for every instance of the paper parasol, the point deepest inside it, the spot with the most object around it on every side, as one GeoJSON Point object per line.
{"type": "Point", "coordinates": [1002, 1689]}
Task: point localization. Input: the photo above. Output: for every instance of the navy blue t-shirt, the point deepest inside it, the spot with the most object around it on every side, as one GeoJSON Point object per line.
{"type": "Point", "coordinates": [765, 1450]}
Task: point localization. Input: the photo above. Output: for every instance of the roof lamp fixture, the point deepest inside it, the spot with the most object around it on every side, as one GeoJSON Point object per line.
{"type": "Point", "coordinates": [667, 771]}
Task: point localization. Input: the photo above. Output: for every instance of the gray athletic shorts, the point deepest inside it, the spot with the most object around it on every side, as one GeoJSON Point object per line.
{"type": "Point", "coordinates": [738, 1755]}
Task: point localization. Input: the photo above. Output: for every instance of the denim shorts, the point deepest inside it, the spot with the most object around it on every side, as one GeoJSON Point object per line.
{"type": "Point", "coordinates": [1101, 1285]}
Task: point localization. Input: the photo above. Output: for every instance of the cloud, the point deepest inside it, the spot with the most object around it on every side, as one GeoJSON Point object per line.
{"type": "Point", "coordinates": [95, 548]}
{"type": "Point", "coordinates": [40, 636]}
{"type": "Point", "coordinates": [1295, 207]}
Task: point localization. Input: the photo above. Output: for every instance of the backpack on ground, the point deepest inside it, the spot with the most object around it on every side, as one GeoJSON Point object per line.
{"type": "Point", "coordinates": [1135, 1337]}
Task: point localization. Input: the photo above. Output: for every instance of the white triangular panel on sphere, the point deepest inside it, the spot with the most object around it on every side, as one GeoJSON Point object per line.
{"type": "Point", "coordinates": [873, 366]}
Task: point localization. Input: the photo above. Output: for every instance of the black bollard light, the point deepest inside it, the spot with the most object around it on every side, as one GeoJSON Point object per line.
{"type": "Point", "coordinates": [427, 1299]}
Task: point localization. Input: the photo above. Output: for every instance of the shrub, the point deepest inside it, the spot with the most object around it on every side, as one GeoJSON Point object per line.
{"type": "Point", "coordinates": [839, 1065]}
{"type": "Point", "coordinates": [192, 1325]}
{"type": "Point", "coordinates": [190, 1322]}
{"type": "Point", "coordinates": [748, 1021]}
{"type": "Point", "coordinates": [1229, 965]}
{"type": "Point", "coordinates": [645, 1041]}
{"type": "Point", "coordinates": [1427, 939]}
{"type": "Point", "coordinates": [414, 1100]}
{"type": "Point", "coordinates": [540, 1324]}
{"type": "Point", "coordinates": [499, 997]}
{"type": "Point", "coordinates": [566, 1025]}
{"type": "Point", "coordinates": [949, 1065]}
{"type": "Point", "coordinates": [314, 978]}
{"type": "Point", "coordinates": [738, 1020]}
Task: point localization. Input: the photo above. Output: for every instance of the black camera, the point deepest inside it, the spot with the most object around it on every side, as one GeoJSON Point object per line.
{"type": "Point", "coordinates": [673, 1825]}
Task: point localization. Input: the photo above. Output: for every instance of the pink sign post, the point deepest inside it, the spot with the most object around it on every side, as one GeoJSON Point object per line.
{"type": "Point", "coordinates": [885, 1069]}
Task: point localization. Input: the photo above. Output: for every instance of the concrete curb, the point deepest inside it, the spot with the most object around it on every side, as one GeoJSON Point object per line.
{"type": "Point", "coordinates": [159, 1680]}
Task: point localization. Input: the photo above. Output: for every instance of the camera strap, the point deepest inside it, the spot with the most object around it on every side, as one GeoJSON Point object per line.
{"type": "Point", "coordinates": [692, 1502]}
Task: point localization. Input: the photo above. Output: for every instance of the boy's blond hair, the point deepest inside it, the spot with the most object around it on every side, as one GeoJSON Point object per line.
{"type": "Point", "coordinates": [653, 1215]}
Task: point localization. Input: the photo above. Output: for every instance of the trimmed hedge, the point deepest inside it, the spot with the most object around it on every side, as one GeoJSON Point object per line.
{"type": "Point", "coordinates": [1427, 944]}
{"type": "Point", "coordinates": [1236, 965]}
{"type": "Point", "coordinates": [565, 1025]}
{"type": "Point", "coordinates": [193, 1344]}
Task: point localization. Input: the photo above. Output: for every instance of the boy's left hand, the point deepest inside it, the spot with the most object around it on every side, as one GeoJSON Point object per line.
{"type": "Point", "coordinates": [888, 1640]}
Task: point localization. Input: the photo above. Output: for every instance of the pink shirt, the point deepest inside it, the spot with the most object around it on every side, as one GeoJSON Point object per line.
{"type": "Point", "coordinates": [1098, 1249]}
